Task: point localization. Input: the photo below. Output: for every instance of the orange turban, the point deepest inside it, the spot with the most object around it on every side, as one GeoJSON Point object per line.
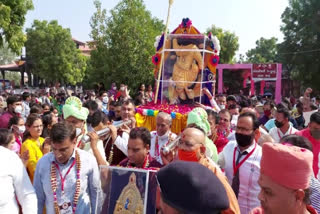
{"type": "Point", "coordinates": [287, 165]}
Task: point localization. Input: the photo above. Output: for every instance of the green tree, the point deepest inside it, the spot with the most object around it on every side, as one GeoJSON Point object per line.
{"type": "Point", "coordinates": [242, 59]}
{"type": "Point", "coordinates": [6, 55]}
{"type": "Point", "coordinates": [300, 49]}
{"type": "Point", "coordinates": [229, 43]}
{"type": "Point", "coordinates": [13, 76]}
{"type": "Point", "coordinates": [125, 44]}
{"type": "Point", "coordinates": [12, 19]}
{"type": "Point", "coordinates": [97, 65]}
{"type": "Point", "coordinates": [53, 53]}
{"type": "Point", "coordinates": [264, 52]}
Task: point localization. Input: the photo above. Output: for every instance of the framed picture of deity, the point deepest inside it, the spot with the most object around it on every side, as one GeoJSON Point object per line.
{"type": "Point", "coordinates": [189, 61]}
{"type": "Point", "coordinates": [128, 191]}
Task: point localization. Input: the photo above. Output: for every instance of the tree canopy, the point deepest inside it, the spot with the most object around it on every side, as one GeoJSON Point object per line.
{"type": "Point", "coordinates": [264, 52]}
{"type": "Point", "coordinates": [6, 55]}
{"type": "Point", "coordinates": [300, 49]}
{"type": "Point", "coordinates": [12, 19]}
{"type": "Point", "coordinates": [229, 43]}
{"type": "Point", "coordinates": [53, 53]}
{"type": "Point", "coordinates": [124, 44]}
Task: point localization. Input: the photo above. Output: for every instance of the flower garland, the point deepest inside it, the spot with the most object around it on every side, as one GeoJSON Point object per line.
{"type": "Point", "coordinates": [144, 165]}
{"type": "Point", "coordinates": [110, 159]}
{"type": "Point", "coordinates": [157, 152]}
{"type": "Point", "coordinates": [53, 181]}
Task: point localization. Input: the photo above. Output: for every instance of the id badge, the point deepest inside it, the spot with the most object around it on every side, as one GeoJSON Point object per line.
{"type": "Point", "coordinates": [65, 208]}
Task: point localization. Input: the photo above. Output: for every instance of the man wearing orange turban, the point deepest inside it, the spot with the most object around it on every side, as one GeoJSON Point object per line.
{"type": "Point", "coordinates": [285, 176]}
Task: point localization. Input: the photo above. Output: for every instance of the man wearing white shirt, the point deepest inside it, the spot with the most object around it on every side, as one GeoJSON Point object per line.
{"type": "Point", "coordinates": [121, 142]}
{"type": "Point", "coordinates": [15, 182]}
{"type": "Point", "coordinates": [241, 162]}
{"type": "Point", "coordinates": [283, 126]}
{"type": "Point", "coordinates": [161, 136]}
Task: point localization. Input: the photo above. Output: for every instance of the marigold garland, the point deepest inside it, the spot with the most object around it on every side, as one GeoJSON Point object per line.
{"type": "Point", "coordinates": [53, 181]}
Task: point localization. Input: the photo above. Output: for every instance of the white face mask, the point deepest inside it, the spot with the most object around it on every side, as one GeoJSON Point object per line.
{"type": "Point", "coordinates": [114, 88]}
{"type": "Point", "coordinates": [18, 109]}
{"type": "Point", "coordinates": [222, 107]}
{"type": "Point", "coordinates": [78, 132]}
{"type": "Point", "coordinates": [122, 88]}
{"type": "Point", "coordinates": [21, 129]}
{"type": "Point", "coordinates": [105, 99]}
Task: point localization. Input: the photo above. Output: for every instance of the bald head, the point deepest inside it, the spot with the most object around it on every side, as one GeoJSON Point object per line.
{"type": "Point", "coordinates": [194, 135]}
{"type": "Point", "coordinates": [192, 140]}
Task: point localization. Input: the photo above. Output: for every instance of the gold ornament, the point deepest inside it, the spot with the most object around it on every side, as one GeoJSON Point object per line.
{"type": "Point", "coordinates": [130, 201]}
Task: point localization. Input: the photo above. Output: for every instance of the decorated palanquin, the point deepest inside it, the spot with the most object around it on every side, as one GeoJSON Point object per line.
{"type": "Point", "coordinates": [146, 115]}
{"type": "Point", "coordinates": [189, 65]}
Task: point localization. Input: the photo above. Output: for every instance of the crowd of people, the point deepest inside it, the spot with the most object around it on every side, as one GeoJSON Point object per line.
{"type": "Point", "coordinates": [238, 155]}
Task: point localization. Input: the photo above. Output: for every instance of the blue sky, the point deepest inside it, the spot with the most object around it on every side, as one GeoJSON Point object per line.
{"type": "Point", "coordinates": [248, 19]}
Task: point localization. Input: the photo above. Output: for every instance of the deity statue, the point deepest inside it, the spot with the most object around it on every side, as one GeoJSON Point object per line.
{"type": "Point", "coordinates": [186, 72]}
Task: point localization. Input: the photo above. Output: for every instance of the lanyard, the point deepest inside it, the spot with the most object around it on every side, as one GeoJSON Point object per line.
{"type": "Point", "coordinates": [64, 178]}
{"type": "Point", "coordinates": [290, 132]}
{"type": "Point", "coordinates": [236, 167]}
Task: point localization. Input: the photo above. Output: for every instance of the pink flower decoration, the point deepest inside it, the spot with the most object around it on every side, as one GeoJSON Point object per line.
{"type": "Point", "coordinates": [214, 60]}
{"type": "Point", "coordinates": [186, 22]}
{"type": "Point", "coordinates": [189, 23]}
{"type": "Point", "coordinates": [156, 59]}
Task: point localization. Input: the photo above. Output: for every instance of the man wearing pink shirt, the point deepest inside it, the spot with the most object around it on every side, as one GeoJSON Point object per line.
{"type": "Point", "coordinates": [14, 108]}
{"type": "Point", "coordinates": [312, 133]}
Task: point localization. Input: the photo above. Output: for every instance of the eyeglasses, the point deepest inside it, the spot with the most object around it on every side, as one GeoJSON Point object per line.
{"type": "Point", "coordinates": [242, 129]}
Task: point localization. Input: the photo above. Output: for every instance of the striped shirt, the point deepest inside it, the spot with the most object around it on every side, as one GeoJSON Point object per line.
{"type": "Point", "coordinates": [315, 193]}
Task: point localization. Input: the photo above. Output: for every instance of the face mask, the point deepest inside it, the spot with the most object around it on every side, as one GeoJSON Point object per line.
{"type": "Point", "coordinates": [105, 100]}
{"type": "Point", "coordinates": [21, 129]}
{"type": "Point", "coordinates": [244, 140]}
{"type": "Point", "coordinates": [315, 134]}
{"type": "Point", "coordinates": [222, 107]}
{"type": "Point", "coordinates": [78, 132]}
{"type": "Point", "coordinates": [114, 88]}
{"type": "Point", "coordinates": [122, 88]}
{"type": "Point", "coordinates": [278, 124]}
{"type": "Point", "coordinates": [18, 109]}
{"type": "Point", "coordinates": [267, 113]}
{"type": "Point", "coordinates": [188, 155]}
{"type": "Point", "coordinates": [57, 115]}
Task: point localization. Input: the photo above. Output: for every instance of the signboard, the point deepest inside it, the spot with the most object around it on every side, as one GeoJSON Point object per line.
{"type": "Point", "coordinates": [264, 72]}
